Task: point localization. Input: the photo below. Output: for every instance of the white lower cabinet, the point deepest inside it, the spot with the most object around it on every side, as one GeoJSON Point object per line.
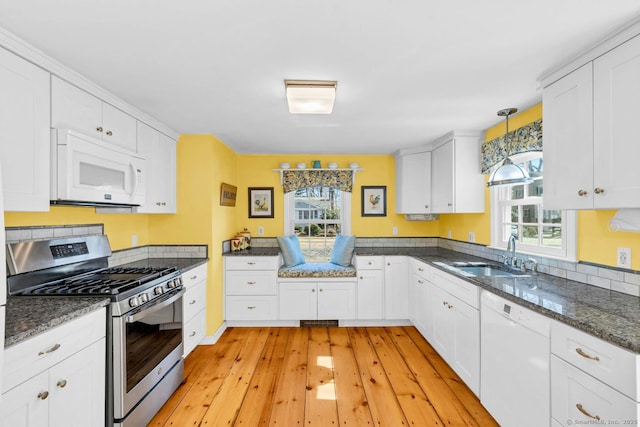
{"type": "Point", "coordinates": [250, 288]}
{"type": "Point", "coordinates": [396, 287]}
{"type": "Point", "coordinates": [453, 326]}
{"type": "Point", "coordinates": [57, 378]}
{"type": "Point", "coordinates": [592, 381]}
{"type": "Point", "coordinates": [370, 287]}
{"type": "Point", "coordinates": [317, 300]}
{"type": "Point", "coordinates": [419, 276]}
{"type": "Point", "coordinates": [194, 307]}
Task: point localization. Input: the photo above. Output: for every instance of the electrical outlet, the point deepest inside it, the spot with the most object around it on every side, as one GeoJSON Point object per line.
{"type": "Point", "coordinates": [624, 257]}
{"type": "Point", "coordinates": [395, 231]}
{"type": "Point", "coordinates": [448, 234]}
{"type": "Point", "coordinates": [134, 240]}
{"type": "Point", "coordinates": [472, 236]}
{"type": "Point", "coordinates": [260, 231]}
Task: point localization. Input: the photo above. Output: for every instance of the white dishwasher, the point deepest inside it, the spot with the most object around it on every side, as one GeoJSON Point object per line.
{"type": "Point", "coordinates": [514, 363]}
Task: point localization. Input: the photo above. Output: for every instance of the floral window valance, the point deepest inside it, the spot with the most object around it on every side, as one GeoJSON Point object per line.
{"type": "Point", "coordinates": [302, 178]}
{"type": "Point", "coordinates": [522, 140]}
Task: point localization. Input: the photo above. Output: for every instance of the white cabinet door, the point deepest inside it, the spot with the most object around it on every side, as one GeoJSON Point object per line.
{"type": "Point", "coordinates": [24, 134]}
{"type": "Point", "coordinates": [77, 389]}
{"type": "Point", "coordinates": [370, 294]}
{"type": "Point", "coordinates": [616, 108]}
{"type": "Point", "coordinates": [442, 179]}
{"type": "Point", "coordinates": [464, 356]}
{"type": "Point", "coordinates": [568, 141]}
{"type": "Point", "coordinates": [73, 108]}
{"type": "Point", "coordinates": [27, 405]}
{"type": "Point", "coordinates": [396, 287]}
{"type": "Point", "coordinates": [413, 183]}
{"type": "Point", "coordinates": [298, 301]}
{"type": "Point", "coordinates": [160, 152]}
{"type": "Point", "coordinates": [336, 300]}
{"type": "Point", "coordinates": [440, 322]}
{"type": "Point", "coordinates": [419, 304]}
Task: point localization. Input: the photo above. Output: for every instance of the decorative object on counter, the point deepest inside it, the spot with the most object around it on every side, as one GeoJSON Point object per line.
{"type": "Point", "coordinates": [509, 173]}
{"type": "Point", "coordinates": [339, 178]}
{"type": "Point", "coordinates": [316, 164]}
{"type": "Point", "coordinates": [332, 165]}
{"type": "Point", "coordinates": [301, 165]}
{"type": "Point", "coordinates": [228, 194]}
{"type": "Point", "coordinates": [354, 165]}
{"type": "Point", "coordinates": [236, 244]}
{"type": "Point", "coordinates": [374, 200]}
{"type": "Point", "coordinates": [260, 202]}
{"type": "Point", "coordinates": [525, 139]}
{"type": "Point", "coordinates": [245, 235]}
{"type": "Point", "coordinates": [285, 165]}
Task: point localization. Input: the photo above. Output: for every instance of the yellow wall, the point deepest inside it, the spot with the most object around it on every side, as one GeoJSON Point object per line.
{"type": "Point", "coordinates": [257, 171]}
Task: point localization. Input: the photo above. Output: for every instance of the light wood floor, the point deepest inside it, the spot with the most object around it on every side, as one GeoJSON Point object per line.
{"type": "Point", "coordinates": [321, 377]}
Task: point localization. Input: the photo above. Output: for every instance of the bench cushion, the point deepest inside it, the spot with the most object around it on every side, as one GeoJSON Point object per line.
{"type": "Point", "coordinates": [317, 269]}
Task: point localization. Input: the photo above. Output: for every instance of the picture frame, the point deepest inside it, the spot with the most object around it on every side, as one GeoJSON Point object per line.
{"type": "Point", "coordinates": [228, 194]}
{"type": "Point", "coordinates": [374, 200]}
{"type": "Point", "coordinates": [260, 202]}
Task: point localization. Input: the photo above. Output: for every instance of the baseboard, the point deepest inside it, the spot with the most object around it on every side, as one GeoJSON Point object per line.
{"type": "Point", "coordinates": [212, 339]}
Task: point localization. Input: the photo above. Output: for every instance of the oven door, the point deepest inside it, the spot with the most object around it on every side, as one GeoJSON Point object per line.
{"type": "Point", "coordinates": [147, 343]}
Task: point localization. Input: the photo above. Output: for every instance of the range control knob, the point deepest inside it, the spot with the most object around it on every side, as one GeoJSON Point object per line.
{"type": "Point", "coordinates": [134, 302]}
{"type": "Point", "coordinates": [158, 290]}
{"type": "Point", "coordinates": [171, 284]}
{"type": "Point", "coordinates": [144, 298]}
{"type": "Point", "coordinates": [179, 280]}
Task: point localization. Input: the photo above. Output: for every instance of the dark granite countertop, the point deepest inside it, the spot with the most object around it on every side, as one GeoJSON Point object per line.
{"type": "Point", "coordinates": [263, 251]}
{"type": "Point", "coordinates": [609, 315]}
{"type": "Point", "coordinates": [29, 316]}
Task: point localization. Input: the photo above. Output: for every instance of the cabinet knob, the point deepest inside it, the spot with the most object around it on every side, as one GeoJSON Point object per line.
{"type": "Point", "coordinates": [109, 133]}
{"type": "Point", "coordinates": [313, 290]}
{"type": "Point", "coordinates": [62, 383]}
{"type": "Point", "coordinates": [598, 190]}
{"type": "Point", "coordinates": [369, 263]}
{"type": "Point", "coordinates": [582, 193]}
{"type": "Point", "coordinates": [360, 277]}
{"type": "Point", "coordinates": [99, 129]}
{"type": "Point", "coordinates": [389, 263]}
{"type": "Point", "coordinates": [420, 281]}
{"type": "Point", "coordinates": [420, 269]}
{"type": "Point", "coordinates": [43, 395]}
{"type": "Point", "coordinates": [426, 206]}
{"type": "Point", "coordinates": [449, 204]}
{"type": "Point", "coordinates": [320, 289]}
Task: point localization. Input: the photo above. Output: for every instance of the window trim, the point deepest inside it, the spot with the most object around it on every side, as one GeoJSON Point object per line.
{"type": "Point", "coordinates": [569, 226]}
{"type": "Point", "coordinates": [289, 213]}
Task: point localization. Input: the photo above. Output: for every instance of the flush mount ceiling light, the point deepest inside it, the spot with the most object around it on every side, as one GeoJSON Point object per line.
{"type": "Point", "coordinates": [310, 96]}
{"type": "Point", "coordinates": [508, 173]}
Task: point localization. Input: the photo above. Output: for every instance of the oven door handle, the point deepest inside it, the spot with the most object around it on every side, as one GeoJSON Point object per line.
{"type": "Point", "coordinates": [157, 306]}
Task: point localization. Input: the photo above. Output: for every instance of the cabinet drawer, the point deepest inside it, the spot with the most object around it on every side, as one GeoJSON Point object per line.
{"type": "Point", "coordinates": [194, 300]}
{"type": "Point", "coordinates": [369, 262]}
{"type": "Point", "coordinates": [612, 365]}
{"type": "Point", "coordinates": [30, 357]}
{"type": "Point", "coordinates": [194, 331]}
{"type": "Point", "coordinates": [575, 394]}
{"type": "Point", "coordinates": [252, 308]}
{"type": "Point", "coordinates": [251, 283]}
{"type": "Point", "coordinates": [421, 269]}
{"type": "Point", "coordinates": [194, 275]}
{"type": "Point", "coordinates": [252, 263]}
{"type": "Point", "coordinates": [457, 287]}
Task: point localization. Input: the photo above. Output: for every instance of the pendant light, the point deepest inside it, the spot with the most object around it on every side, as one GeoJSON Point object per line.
{"type": "Point", "coordinates": [508, 174]}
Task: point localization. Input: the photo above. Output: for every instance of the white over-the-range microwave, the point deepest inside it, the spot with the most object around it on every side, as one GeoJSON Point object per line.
{"type": "Point", "coordinates": [89, 172]}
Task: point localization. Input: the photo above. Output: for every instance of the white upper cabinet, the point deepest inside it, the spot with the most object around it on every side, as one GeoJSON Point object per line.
{"type": "Point", "coordinates": [413, 182]}
{"type": "Point", "coordinates": [160, 152]}
{"type": "Point", "coordinates": [76, 109]}
{"type": "Point", "coordinates": [590, 142]}
{"type": "Point", "coordinates": [456, 180]}
{"type": "Point", "coordinates": [24, 134]}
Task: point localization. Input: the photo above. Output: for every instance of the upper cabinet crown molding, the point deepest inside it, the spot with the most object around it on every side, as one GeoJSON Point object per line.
{"type": "Point", "coordinates": [30, 53]}
{"type": "Point", "coordinates": [623, 34]}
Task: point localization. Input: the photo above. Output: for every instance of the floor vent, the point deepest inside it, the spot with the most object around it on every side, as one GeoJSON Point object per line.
{"type": "Point", "coordinates": [318, 323]}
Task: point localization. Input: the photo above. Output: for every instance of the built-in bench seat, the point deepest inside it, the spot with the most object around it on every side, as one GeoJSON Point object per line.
{"type": "Point", "coordinates": [317, 269]}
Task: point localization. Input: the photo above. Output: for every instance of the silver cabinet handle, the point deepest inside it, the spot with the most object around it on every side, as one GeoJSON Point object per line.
{"type": "Point", "coordinates": [51, 350]}
{"type": "Point", "coordinates": [251, 307]}
{"type": "Point", "coordinates": [192, 302]}
{"type": "Point", "coordinates": [251, 283]}
{"type": "Point", "coordinates": [193, 277]}
{"type": "Point", "coordinates": [251, 263]}
{"type": "Point", "coordinates": [62, 383]}
{"type": "Point", "coordinates": [43, 395]}
{"type": "Point", "coordinates": [192, 334]}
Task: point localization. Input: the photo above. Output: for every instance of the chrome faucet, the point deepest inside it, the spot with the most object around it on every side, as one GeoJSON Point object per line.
{"type": "Point", "coordinates": [511, 247]}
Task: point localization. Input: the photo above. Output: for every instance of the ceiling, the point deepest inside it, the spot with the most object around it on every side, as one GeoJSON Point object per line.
{"type": "Point", "coordinates": [408, 71]}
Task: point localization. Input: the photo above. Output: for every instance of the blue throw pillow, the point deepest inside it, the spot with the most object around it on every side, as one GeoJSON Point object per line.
{"type": "Point", "coordinates": [343, 249]}
{"type": "Point", "coordinates": [291, 252]}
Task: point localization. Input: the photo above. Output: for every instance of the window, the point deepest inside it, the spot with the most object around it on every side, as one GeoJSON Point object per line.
{"type": "Point", "coordinates": [519, 211]}
{"type": "Point", "coordinates": [316, 215]}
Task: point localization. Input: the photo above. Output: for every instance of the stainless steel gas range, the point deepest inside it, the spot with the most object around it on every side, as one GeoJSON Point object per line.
{"type": "Point", "coordinates": [144, 336]}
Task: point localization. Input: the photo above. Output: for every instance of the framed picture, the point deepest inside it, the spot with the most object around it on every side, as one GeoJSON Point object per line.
{"type": "Point", "coordinates": [228, 194]}
{"type": "Point", "coordinates": [260, 202]}
{"type": "Point", "coordinates": [374, 200]}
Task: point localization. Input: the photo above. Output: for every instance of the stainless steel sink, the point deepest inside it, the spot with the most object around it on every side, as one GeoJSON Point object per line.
{"type": "Point", "coordinates": [487, 270]}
